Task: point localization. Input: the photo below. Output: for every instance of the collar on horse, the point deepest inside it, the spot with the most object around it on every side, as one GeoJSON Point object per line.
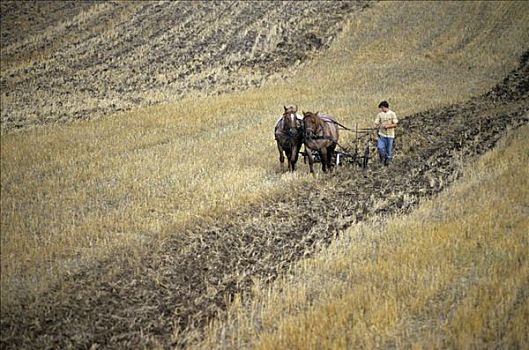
{"type": "Point", "coordinates": [317, 134]}
{"type": "Point", "coordinates": [292, 132]}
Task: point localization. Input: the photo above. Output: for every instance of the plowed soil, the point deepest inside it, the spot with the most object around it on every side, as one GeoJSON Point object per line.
{"type": "Point", "coordinates": [186, 281]}
{"type": "Point", "coordinates": [62, 60]}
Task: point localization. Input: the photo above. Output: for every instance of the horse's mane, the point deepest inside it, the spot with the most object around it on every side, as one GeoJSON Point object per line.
{"type": "Point", "coordinates": [314, 116]}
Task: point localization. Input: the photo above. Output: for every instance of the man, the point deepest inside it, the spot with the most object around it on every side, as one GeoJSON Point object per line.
{"type": "Point", "coordinates": [386, 122]}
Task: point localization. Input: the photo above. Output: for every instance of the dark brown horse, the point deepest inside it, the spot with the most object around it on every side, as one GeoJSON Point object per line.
{"type": "Point", "coordinates": [289, 137]}
{"type": "Point", "coordinates": [321, 135]}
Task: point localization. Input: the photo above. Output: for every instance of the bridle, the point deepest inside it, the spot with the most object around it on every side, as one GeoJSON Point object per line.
{"type": "Point", "coordinates": [311, 134]}
{"type": "Point", "coordinates": [294, 127]}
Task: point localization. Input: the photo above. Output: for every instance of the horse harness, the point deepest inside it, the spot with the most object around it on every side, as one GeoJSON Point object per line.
{"type": "Point", "coordinates": [295, 121]}
{"type": "Point", "coordinates": [307, 136]}
{"type": "Point", "coordinates": [315, 136]}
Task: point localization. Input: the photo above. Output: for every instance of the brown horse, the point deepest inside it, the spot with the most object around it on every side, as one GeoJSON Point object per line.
{"type": "Point", "coordinates": [289, 137]}
{"type": "Point", "coordinates": [321, 135]}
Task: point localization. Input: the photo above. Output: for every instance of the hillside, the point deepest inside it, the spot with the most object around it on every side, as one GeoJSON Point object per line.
{"type": "Point", "coordinates": [140, 229]}
{"type": "Point", "coordinates": [132, 306]}
{"type": "Point", "coordinates": [450, 275]}
{"type": "Point", "coordinates": [67, 60]}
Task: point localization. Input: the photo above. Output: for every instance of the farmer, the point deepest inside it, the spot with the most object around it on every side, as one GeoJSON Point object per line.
{"type": "Point", "coordinates": [386, 122]}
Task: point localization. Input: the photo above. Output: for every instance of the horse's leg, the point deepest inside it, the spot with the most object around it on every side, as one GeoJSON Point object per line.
{"type": "Point", "coordinates": [324, 160]}
{"type": "Point", "coordinates": [289, 159]}
{"type": "Point", "coordinates": [330, 156]}
{"type": "Point", "coordinates": [311, 160]}
{"type": "Point", "coordinates": [294, 157]}
{"type": "Point", "coordinates": [281, 156]}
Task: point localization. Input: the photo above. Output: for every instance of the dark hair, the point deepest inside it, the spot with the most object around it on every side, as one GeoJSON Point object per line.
{"type": "Point", "coordinates": [383, 104]}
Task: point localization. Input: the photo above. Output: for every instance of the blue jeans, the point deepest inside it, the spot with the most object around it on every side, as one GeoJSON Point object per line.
{"type": "Point", "coordinates": [385, 148]}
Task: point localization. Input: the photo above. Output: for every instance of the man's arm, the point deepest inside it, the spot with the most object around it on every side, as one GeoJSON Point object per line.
{"type": "Point", "coordinates": [390, 126]}
{"type": "Point", "coordinates": [393, 124]}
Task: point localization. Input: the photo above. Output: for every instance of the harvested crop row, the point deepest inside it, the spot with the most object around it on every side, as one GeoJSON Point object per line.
{"type": "Point", "coordinates": [181, 284]}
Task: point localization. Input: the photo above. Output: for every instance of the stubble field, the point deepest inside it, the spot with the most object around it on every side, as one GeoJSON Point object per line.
{"type": "Point", "coordinates": [139, 229]}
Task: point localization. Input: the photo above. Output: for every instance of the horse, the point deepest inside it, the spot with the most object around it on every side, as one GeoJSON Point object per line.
{"type": "Point", "coordinates": [289, 137]}
{"type": "Point", "coordinates": [321, 135]}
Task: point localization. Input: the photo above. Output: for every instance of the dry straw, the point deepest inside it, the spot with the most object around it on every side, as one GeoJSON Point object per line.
{"type": "Point", "coordinates": [74, 193]}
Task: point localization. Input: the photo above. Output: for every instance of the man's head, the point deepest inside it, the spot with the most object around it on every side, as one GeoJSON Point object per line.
{"type": "Point", "coordinates": [384, 106]}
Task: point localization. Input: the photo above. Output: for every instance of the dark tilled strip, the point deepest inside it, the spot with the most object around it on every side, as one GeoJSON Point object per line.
{"type": "Point", "coordinates": [190, 278]}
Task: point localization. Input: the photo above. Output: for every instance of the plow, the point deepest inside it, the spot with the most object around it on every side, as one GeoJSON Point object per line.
{"type": "Point", "coordinates": [358, 152]}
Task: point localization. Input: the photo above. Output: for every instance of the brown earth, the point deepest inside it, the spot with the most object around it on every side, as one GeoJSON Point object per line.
{"type": "Point", "coordinates": [167, 298]}
{"type": "Point", "coordinates": [66, 60]}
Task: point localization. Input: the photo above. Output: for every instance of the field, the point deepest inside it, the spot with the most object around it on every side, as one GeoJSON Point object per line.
{"type": "Point", "coordinates": [114, 56]}
{"type": "Point", "coordinates": [166, 221]}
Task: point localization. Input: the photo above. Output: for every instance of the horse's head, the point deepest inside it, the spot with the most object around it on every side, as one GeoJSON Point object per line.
{"type": "Point", "coordinates": [291, 124]}
{"type": "Point", "coordinates": [312, 124]}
